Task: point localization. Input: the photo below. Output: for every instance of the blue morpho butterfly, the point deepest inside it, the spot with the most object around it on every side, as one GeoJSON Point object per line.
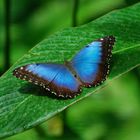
{"type": "Point", "coordinates": [89, 67]}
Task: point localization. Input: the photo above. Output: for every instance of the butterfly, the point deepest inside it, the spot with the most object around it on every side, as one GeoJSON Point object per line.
{"type": "Point", "coordinates": [88, 68]}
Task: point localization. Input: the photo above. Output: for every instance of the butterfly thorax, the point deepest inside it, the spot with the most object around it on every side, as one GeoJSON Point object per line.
{"type": "Point", "coordinates": [69, 66]}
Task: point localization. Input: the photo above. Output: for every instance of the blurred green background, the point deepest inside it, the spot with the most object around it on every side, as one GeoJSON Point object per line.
{"type": "Point", "coordinates": [111, 114]}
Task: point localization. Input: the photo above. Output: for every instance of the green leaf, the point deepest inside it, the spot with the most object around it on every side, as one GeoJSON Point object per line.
{"type": "Point", "coordinates": [23, 106]}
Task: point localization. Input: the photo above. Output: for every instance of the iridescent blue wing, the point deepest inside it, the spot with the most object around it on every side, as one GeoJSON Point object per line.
{"type": "Point", "coordinates": [56, 78]}
{"type": "Point", "coordinates": [92, 63]}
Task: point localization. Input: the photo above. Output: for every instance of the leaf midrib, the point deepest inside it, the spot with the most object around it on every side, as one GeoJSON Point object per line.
{"type": "Point", "coordinates": [125, 49]}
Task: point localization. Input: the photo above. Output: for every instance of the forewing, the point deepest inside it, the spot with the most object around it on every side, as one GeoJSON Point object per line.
{"type": "Point", "coordinates": [56, 78]}
{"type": "Point", "coordinates": [92, 63]}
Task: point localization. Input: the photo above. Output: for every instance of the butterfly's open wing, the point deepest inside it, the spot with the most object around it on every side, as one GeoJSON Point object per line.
{"type": "Point", "coordinates": [92, 63]}
{"type": "Point", "coordinates": [90, 66]}
{"type": "Point", "coordinates": [54, 77]}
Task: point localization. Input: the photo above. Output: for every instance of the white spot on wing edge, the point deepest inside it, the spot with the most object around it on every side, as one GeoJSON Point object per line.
{"type": "Point", "coordinates": [21, 68]}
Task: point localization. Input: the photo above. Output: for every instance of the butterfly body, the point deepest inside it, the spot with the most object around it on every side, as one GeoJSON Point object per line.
{"type": "Point", "coordinates": [89, 67]}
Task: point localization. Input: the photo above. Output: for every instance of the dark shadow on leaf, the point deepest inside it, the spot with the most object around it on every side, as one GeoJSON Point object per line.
{"type": "Point", "coordinates": [38, 91]}
{"type": "Point", "coordinates": [32, 89]}
{"type": "Point", "coordinates": [131, 2]}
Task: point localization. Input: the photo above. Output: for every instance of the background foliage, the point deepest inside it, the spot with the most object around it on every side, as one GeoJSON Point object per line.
{"type": "Point", "coordinates": [111, 114]}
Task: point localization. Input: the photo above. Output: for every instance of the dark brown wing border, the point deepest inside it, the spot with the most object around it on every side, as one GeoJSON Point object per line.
{"type": "Point", "coordinates": [104, 67]}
